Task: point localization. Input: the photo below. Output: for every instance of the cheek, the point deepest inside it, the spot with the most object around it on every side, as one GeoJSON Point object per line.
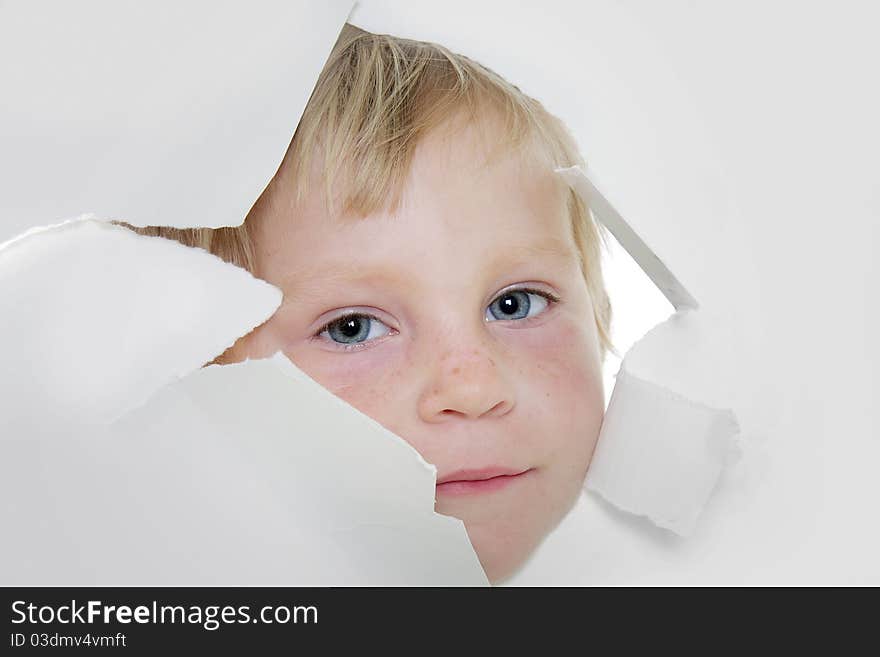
{"type": "Point", "coordinates": [560, 384]}
{"type": "Point", "coordinates": [562, 359]}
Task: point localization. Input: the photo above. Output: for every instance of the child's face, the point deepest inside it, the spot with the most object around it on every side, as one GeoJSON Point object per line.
{"type": "Point", "coordinates": [462, 323]}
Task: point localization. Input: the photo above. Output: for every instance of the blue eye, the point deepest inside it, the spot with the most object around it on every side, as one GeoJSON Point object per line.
{"type": "Point", "coordinates": [354, 329]}
{"type": "Point", "coordinates": [517, 304]}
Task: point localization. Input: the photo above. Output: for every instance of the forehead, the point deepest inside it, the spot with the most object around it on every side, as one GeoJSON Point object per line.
{"type": "Point", "coordinates": [464, 201]}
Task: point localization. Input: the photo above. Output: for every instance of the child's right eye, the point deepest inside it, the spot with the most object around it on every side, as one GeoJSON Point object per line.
{"type": "Point", "coordinates": [354, 329]}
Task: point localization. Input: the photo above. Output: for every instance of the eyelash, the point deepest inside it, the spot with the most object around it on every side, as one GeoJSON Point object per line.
{"type": "Point", "coordinates": [548, 296]}
{"type": "Point", "coordinates": [348, 347]}
{"type": "Point", "coordinates": [551, 299]}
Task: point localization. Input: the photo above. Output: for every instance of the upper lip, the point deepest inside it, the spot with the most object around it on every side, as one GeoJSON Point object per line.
{"type": "Point", "coordinates": [480, 474]}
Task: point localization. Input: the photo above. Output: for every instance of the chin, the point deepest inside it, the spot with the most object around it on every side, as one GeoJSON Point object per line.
{"type": "Point", "coordinates": [502, 551]}
{"type": "Point", "coordinates": [505, 542]}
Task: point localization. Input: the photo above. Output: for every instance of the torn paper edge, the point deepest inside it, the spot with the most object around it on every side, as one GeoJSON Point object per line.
{"type": "Point", "coordinates": [628, 470]}
{"type": "Point", "coordinates": [621, 447]}
{"type": "Point", "coordinates": [309, 59]}
{"type": "Point", "coordinates": [214, 345]}
{"type": "Point", "coordinates": [36, 230]}
{"type": "Point", "coordinates": [645, 256]}
{"type": "Point", "coordinates": [289, 368]}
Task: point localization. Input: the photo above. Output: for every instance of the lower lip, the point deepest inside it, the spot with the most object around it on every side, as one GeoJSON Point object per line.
{"type": "Point", "coordinates": [479, 485]}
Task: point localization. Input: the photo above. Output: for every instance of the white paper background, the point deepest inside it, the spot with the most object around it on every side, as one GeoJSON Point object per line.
{"type": "Point", "coordinates": [200, 87]}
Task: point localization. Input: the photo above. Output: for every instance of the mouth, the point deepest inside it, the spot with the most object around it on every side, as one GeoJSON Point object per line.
{"type": "Point", "coordinates": [469, 482]}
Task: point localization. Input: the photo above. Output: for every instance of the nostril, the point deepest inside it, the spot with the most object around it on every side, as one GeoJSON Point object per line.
{"type": "Point", "coordinates": [498, 409]}
{"type": "Point", "coordinates": [466, 391]}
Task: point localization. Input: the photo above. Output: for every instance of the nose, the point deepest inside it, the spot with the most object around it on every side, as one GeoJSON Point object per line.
{"type": "Point", "coordinates": [466, 382]}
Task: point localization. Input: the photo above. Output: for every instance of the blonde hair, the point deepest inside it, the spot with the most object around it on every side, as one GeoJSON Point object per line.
{"type": "Point", "coordinates": [376, 97]}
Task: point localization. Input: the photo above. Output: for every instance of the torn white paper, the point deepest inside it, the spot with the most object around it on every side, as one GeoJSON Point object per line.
{"type": "Point", "coordinates": [659, 452]}
{"type": "Point", "coordinates": [179, 114]}
{"type": "Point", "coordinates": [243, 474]}
{"type": "Point", "coordinates": [644, 256]}
{"type": "Point", "coordinates": [649, 434]}
{"type": "Point", "coordinates": [102, 317]}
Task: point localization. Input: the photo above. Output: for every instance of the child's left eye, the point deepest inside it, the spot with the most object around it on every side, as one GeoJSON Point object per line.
{"type": "Point", "coordinates": [518, 304]}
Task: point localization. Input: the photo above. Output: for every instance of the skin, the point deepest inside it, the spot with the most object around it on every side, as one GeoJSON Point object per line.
{"type": "Point", "coordinates": [464, 389]}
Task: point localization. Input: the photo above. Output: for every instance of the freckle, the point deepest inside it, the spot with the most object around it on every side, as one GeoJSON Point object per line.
{"type": "Point", "coordinates": [456, 370]}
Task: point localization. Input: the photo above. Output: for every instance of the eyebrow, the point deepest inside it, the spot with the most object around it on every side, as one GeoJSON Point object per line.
{"type": "Point", "coordinates": [378, 273]}
{"type": "Point", "coordinates": [340, 271]}
{"type": "Point", "coordinates": [551, 248]}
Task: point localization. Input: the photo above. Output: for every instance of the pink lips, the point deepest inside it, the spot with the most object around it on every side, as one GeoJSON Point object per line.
{"type": "Point", "coordinates": [465, 482]}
